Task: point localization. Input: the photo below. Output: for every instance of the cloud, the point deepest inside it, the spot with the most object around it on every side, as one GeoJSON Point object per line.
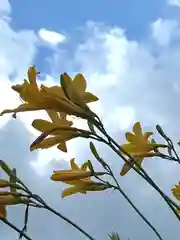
{"type": "Point", "coordinates": [51, 37]}
{"type": "Point", "coordinates": [164, 31]}
{"type": "Point", "coordinates": [174, 2]}
{"type": "Point", "coordinates": [5, 7]}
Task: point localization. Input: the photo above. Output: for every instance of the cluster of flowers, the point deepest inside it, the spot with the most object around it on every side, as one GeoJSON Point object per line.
{"type": "Point", "coordinates": [70, 98]}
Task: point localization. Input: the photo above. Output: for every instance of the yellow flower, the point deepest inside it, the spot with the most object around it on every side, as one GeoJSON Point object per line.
{"type": "Point", "coordinates": [47, 98]}
{"type": "Point", "coordinates": [138, 147]}
{"type": "Point", "coordinates": [53, 133]}
{"type": "Point", "coordinates": [75, 90]}
{"type": "Point", "coordinates": [79, 178]}
{"type": "Point", "coordinates": [176, 191]}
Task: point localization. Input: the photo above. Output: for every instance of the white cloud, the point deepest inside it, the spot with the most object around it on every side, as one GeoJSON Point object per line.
{"type": "Point", "coordinates": [51, 37]}
{"type": "Point", "coordinates": [163, 31]}
{"type": "Point", "coordinates": [5, 7]}
{"type": "Point", "coordinates": [174, 2]}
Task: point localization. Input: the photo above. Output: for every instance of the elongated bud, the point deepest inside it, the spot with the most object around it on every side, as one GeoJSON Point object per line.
{"type": "Point", "coordinates": [5, 167]}
{"type": "Point", "coordinates": [13, 180]}
{"type": "Point", "coordinates": [93, 150]}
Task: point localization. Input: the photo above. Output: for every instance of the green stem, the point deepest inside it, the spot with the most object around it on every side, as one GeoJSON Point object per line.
{"type": "Point", "coordinates": [15, 228]}
{"type": "Point", "coordinates": [143, 173]}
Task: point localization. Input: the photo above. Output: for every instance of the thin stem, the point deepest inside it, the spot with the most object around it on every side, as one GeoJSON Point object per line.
{"type": "Point", "coordinates": [47, 207]}
{"type": "Point", "coordinates": [118, 187]}
{"type": "Point", "coordinates": [136, 209]}
{"type": "Point", "coordinates": [143, 173]}
{"type": "Point", "coordinates": [153, 184]}
{"type": "Point", "coordinates": [15, 228]}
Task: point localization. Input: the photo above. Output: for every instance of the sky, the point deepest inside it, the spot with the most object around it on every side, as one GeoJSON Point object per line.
{"type": "Point", "coordinates": [129, 52]}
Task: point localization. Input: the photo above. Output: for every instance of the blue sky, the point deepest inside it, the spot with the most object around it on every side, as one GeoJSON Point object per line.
{"type": "Point", "coordinates": [134, 16]}
{"type": "Point", "coordinates": [129, 52]}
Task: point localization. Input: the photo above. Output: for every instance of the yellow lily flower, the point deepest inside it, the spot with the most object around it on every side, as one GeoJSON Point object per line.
{"type": "Point", "coordinates": [75, 90]}
{"type": "Point", "coordinates": [138, 147]}
{"type": "Point", "coordinates": [79, 178]}
{"type": "Point", "coordinates": [43, 98]}
{"type": "Point", "coordinates": [176, 191]}
{"type": "Point", "coordinates": [56, 137]}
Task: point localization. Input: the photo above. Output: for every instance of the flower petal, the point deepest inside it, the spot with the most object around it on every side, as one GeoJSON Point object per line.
{"type": "Point", "coordinates": [85, 166]}
{"type": "Point", "coordinates": [3, 212]}
{"type": "Point", "coordinates": [54, 116]}
{"type": "Point", "coordinates": [21, 108]}
{"type": "Point", "coordinates": [130, 137]}
{"type": "Point", "coordinates": [46, 143]}
{"type": "Point", "coordinates": [79, 83]}
{"type": "Point", "coordinates": [32, 74]}
{"type": "Point", "coordinates": [43, 125]}
{"type": "Point", "coordinates": [176, 191]}
{"type": "Point", "coordinates": [70, 191]}
{"type": "Point", "coordinates": [126, 167]}
{"type": "Point", "coordinates": [89, 97]}
{"type": "Point", "coordinates": [74, 166]}
{"type": "Point", "coordinates": [137, 129]}
{"type": "Point", "coordinates": [147, 135]}
{"type": "Point", "coordinates": [62, 146]}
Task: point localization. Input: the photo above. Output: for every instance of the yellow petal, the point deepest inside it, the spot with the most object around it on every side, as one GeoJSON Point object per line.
{"type": "Point", "coordinates": [147, 135]}
{"type": "Point", "coordinates": [126, 167]}
{"type": "Point", "coordinates": [32, 74]}
{"type": "Point", "coordinates": [130, 137]}
{"type": "Point", "coordinates": [62, 146]}
{"type": "Point", "coordinates": [54, 90]}
{"type": "Point", "coordinates": [79, 83]}
{"type": "Point", "coordinates": [46, 143]}
{"type": "Point", "coordinates": [89, 97]}
{"type": "Point", "coordinates": [137, 129]}
{"type": "Point", "coordinates": [130, 148]}
{"type": "Point", "coordinates": [54, 116]}
{"type": "Point", "coordinates": [176, 191]}
{"type": "Point", "coordinates": [69, 175]}
{"type": "Point", "coordinates": [85, 166]}
{"type": "Point", "coordinates": [9, 200]}
{"type": "Point", "coordinates": [43, 125]}
{"type": "Point", "coordinates": [71, 92]}
{"type": "Point", "coordinates": [21, 108]}
{"type": "Point", "coordinates": [70, 191]}
{"type": "Point", "coordinates": [74, 166]}
{"type": "Point", "coordinates": [3, 213]}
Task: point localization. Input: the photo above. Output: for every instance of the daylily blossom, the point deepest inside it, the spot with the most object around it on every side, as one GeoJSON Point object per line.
{"type": "Point", "coordinates": [138, 146]}
{"type": "Point", "coordinates": [59, 137]}
{"type": "Point", "coordinates": [75, 90]}
{"type": "Point", "coordinates": [80, 178]}
{"type": "Point", "coordinates": [55, 133]}
{"type": "Point", "coordinates": [47, 98]}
